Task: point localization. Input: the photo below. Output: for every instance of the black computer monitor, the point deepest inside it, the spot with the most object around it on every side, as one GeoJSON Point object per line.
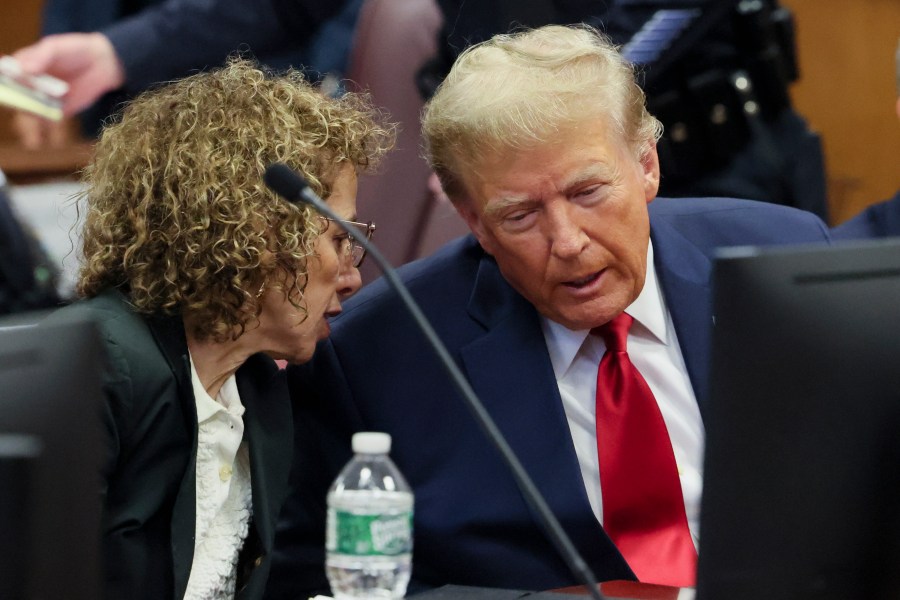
{"type": "Point", "coordinates": [50, 452]}
{"type": "Point", "coordinates": [802, 473]}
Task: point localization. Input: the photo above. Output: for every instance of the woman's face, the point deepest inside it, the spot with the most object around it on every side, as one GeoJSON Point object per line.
{"type": "Point", "coordinates": [284, 331]}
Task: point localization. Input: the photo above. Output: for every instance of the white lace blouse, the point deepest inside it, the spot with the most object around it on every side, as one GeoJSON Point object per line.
{"type": "Point", "coordinates": [224, 504]}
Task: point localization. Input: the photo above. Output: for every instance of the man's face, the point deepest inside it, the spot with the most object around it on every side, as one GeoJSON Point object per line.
{"type": "Point", "coordinates": [567, 222]}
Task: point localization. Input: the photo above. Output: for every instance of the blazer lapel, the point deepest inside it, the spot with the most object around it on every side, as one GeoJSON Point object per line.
{"type": "Point", "coordinates": [684, 273]}
{"type": "Point", "coordinates": [170, 337]}
{"type": "Point", "coordinates": [264, 394]}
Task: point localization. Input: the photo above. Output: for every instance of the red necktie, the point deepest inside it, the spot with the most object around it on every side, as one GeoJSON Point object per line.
{"type": "Point", "coordinates": [643, 507]}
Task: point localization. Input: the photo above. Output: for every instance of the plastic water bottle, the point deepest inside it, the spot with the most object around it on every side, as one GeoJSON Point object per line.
{"type": "Point", "coordinates": [369, 531]}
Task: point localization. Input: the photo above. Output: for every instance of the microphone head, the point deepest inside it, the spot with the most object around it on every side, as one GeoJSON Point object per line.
{"type": "Point", "coordinates": [285, 182]}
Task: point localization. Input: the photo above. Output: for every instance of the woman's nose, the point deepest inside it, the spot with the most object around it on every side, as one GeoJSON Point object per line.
{"type": "Point", "coordinates": [349, 281]}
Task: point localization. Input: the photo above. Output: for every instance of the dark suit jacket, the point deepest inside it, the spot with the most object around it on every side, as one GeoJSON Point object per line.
{"type": "Point", "coordinates": [149, 477]}
{"type": "Point", "coordinates": [376, 373]}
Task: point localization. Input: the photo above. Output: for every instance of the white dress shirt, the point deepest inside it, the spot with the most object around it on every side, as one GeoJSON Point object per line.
{"type": "Point", "coordinates": [653, 349]}
{"type": "Point", "coordinates": [224, 505]}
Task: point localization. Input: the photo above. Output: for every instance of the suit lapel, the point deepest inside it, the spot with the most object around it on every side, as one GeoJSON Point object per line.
{"type": "Point", "coordinates": [684, 273]}
{"type": "Point", "coordinates": [510, 370]}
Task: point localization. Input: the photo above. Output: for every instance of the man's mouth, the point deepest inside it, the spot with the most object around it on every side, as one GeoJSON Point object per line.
{"type": "Point", "coordinates": [584, 281]}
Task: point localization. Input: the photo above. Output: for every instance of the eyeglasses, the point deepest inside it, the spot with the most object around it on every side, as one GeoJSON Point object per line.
{"type": "Point", "coordinates": [348, 243]}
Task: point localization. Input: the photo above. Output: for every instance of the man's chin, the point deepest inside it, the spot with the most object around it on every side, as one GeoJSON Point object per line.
{"type": "Point", "coordinates": [586, 317]}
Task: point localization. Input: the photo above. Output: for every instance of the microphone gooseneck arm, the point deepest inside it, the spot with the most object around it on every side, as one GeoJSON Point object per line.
{"type": "Point", "coordinates": [291, 186]}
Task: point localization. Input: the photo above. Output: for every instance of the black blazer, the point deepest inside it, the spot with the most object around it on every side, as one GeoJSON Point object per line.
{"type": "Point", "coordinates": [148, 480]}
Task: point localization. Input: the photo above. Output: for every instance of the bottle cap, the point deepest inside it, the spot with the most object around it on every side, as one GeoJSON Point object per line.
{"type": "Point", "coordinates": [371, 442]}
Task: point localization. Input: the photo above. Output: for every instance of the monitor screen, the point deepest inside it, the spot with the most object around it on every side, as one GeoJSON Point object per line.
{"type": "Point", "coordinates": [802, 473]}
{"type": "Point", "coordinates": [50, 452]}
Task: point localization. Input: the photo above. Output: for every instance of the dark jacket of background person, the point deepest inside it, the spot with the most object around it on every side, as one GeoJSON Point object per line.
{"type": "Point", "coordinates": [472, 526]}
{"type": "Point", "coordinates": [149, 477]}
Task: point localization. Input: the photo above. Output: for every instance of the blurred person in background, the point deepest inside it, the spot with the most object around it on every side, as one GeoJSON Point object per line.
{"type": "Point", "coordinates": [109, 50]}
{"type": "Point", "coordinates": [64, 16]}
{"type": "Point", "coordinates": [199, 277]}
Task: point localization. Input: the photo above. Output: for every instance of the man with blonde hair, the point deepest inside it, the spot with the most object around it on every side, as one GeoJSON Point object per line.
{"type": "Point", "coordinates": [542, 141]}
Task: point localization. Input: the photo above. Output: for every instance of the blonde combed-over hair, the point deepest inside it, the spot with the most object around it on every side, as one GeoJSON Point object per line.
{"type": "Point", "coordinates": [177, 214]}
{"type": "Point", "coordinates": [521, 89]}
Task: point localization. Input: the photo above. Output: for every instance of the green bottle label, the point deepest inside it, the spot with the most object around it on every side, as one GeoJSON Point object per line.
{"type": "Point", "coordinates": [369, 535]}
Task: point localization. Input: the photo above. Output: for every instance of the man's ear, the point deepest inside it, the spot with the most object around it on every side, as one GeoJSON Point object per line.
{"type": "Point", "coordinates": [650, 166]}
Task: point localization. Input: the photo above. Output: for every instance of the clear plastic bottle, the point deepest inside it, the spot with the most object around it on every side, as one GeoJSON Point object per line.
{"type": "Point", "coordinates": [369, 531]}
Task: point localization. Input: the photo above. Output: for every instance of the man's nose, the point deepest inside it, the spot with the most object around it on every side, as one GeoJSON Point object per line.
{"type": "Point", "coordinates": [567, 236]}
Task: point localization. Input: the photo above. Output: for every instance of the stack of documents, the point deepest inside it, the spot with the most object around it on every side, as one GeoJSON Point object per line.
{"type": "Point", "coordinates": [38, 94]}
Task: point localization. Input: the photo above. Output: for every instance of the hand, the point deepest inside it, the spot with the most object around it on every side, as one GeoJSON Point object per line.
{"type": "Point", "coordinates": [86, 61]}
{"type": "Point", "coordinates": [37, 133]}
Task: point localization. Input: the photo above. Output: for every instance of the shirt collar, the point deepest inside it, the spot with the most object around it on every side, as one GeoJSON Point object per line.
{"type": "Point", "coordinates": [648, 310]}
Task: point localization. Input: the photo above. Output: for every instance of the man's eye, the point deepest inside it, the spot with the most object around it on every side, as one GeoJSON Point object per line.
{"type": "Point", "coordinates": [518, 220]}
{"type": "Point", "coordinates": [589, 193]}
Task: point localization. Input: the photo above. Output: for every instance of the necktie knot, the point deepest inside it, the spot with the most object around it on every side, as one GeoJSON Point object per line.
{"type": "Point", "coordinates": [615, 332]}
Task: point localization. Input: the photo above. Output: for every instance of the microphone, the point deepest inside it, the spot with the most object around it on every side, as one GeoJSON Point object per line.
{"type": "Point", "coordinates": [292, 187]}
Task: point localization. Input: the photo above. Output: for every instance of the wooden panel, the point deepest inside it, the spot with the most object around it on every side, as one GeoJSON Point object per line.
{"type": "Point", "coordinates": [19, 26]}
{"type": "Point", "coordinates": [848, 94]}
{"type": "Point", "coordinates": [29, 166]}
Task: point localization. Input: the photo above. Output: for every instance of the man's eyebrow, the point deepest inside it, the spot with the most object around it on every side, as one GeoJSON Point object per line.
{"type": "Point", "coordinates": [502, 204]}
{"type": "Point", "coordinates": [596, 172]}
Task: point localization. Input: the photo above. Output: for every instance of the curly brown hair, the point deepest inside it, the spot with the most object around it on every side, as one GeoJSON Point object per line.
{"type": "Point", "coordinates": [177, 215]}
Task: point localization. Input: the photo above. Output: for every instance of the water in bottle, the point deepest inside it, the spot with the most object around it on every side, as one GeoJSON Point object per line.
{"type": "Point", "coordinates": [369, 529]}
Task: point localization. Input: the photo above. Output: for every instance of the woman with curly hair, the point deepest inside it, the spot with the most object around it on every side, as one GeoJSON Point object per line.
{"type": "Point", "coordinates": [198, 277]}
